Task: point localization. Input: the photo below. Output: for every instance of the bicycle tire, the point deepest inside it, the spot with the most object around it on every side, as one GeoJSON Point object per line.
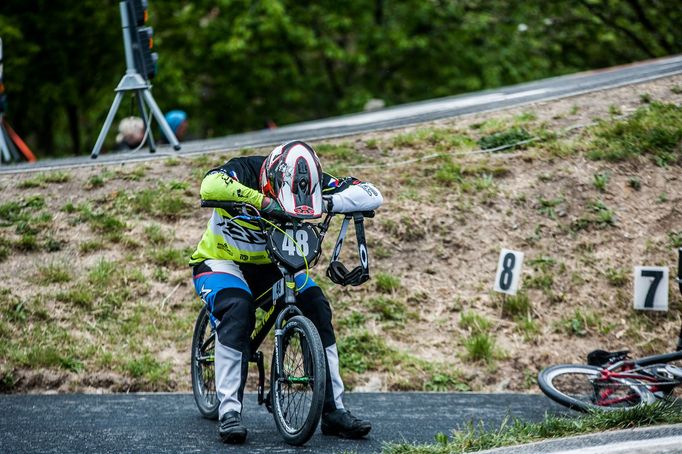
{"type": "Point", "coordinates": [203, 367]}
{"type": "Point", "coordinates": [309, 373]}
{"type": "Point", "coordinates": [578, 387]}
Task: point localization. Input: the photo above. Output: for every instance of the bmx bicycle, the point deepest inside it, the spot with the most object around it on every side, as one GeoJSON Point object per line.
{"type": "Point", "coordinates": [613, 380]}
{"type": "Point", "coordinates": [298, 371]}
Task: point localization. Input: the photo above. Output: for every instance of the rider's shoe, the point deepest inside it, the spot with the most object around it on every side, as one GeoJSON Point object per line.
{"type": "Point", "coordinates": [231, 429]}
{"type": "Point", "coordinates": [344, 424]}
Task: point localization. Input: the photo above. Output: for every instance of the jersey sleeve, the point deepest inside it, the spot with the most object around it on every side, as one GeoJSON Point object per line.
{"type": "Point", "coordinates": [223, 184]}
{"type": "Point", "coordinates": [349, 194]}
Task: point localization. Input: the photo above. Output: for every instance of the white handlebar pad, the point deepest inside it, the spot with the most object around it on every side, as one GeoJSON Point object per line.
{"type": "Point", "coordinates": [357, 197]}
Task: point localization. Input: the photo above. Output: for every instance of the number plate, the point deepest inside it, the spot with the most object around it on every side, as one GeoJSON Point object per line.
{"type": "Point", "coordinates": [508, 272]}
{"type": "Point", "coordinates": [651, 288]}
{"type": "Point", "coordinates": [291, 246]}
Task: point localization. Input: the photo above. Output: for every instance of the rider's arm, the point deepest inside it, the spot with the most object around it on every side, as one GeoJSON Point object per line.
{"type": "Point", "coordinates": [349, 194]}
{"type": "Point", "coordinates": [219, 185]}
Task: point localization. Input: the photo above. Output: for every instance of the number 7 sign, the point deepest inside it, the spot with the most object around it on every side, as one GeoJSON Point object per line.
{"type": "Point", "coordinates": [651, 288]}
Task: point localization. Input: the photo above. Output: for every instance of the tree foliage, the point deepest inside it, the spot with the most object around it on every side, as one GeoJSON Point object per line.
{"type": "Point", "coordinates": [233, 64]}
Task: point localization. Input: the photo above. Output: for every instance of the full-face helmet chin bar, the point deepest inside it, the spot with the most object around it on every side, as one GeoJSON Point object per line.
{"type": "Point", "coordinates": [336, 271]}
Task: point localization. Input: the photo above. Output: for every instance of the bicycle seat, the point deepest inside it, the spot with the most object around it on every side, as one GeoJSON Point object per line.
{"type": "Point", "coordinates": [603, 357]}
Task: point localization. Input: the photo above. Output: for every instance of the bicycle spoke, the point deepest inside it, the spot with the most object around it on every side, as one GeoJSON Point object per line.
{"type": "Point", "coordinates": [295, 381]}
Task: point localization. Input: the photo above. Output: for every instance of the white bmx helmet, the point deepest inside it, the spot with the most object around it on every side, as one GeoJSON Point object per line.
{"type": "Point", "coordinates": [292, 175]}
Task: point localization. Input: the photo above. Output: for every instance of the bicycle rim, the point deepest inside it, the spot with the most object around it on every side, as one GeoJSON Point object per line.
{"type": "Point", "coordinates": [203, 367]}
{"type": "Point", "coordinates": [582, 388]}
{"type": "Point", "coordinates": [299, 390]}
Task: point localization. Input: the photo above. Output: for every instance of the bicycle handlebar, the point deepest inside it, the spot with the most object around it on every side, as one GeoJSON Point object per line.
{"type": "Point", "coordinates": [225, 205]}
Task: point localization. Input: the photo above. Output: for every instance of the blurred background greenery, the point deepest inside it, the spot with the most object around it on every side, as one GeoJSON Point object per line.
{"type": "Point", "coordinates": [232, 65]}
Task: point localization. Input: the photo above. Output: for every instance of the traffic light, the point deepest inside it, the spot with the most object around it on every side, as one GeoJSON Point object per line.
{"type": "Point", "coordinates": [142, 39]}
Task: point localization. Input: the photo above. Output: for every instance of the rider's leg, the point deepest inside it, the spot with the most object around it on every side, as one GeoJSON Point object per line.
{"type": "Point", "coordinates": [336, 420]}
{"type": "Point", "coordinates": [228, 297]}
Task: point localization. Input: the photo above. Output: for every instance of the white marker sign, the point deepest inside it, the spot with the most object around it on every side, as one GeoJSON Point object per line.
{"type": "Point", "coordinates": [508, 272]}
{"type": "Point", "coordinates": [651, 288]}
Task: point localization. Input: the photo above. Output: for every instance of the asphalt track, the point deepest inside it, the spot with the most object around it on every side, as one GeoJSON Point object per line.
{"type": "Point", "coordinates": [398, 116]}
{"type": "Point", "coordinates": [165, 423]}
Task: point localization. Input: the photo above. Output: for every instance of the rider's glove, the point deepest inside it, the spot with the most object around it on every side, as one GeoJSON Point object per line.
{"type": "Point", "coordinates": [271, 207]}
{"type": "Point", "coordinates": [327, 204]}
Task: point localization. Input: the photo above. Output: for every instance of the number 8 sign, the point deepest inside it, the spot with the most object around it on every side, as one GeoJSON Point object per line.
{"type": "Point", "coordinates": [508, 272]}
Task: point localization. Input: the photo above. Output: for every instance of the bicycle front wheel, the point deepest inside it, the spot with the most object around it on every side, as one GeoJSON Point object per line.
{"type": "Point", "coordinates": [298, 391]}
{"type": "Point", "coordinates": [203, 366]}
{"type": "Point", "coordinates": [583, 388]}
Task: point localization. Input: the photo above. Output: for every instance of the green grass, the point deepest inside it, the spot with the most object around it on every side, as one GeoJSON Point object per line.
{"type": "Point", "coordinates": [473, 322]}
{"type": "Point", "coordinates": [508, 137]}
{"type": "Point", "coordinates": [5, 248]}
{"type": "Point", "coordinates": [449, 173]}
{"type": "Point", "coordinates": [440, 139]}
{"type": "Point", "coordinates": [169, 257]}
{"type": "Point", "coordinates": [597, 214]}
{"type": "Point", "coordinates": [654, 130]}
{"type": "Point", "coordinates": [166, 201]}
{"type": "Point", "coordinates": [95, 181]}
{"type": "Point", "coordinates": [583, 322]}
{"type": "Point", "coordinates": [148, 368]}
{"type": "Point", "coordinates": [53, 273]}
{"type": "Point", "coordinates": [514, 431]}
{"type": "Point", "coordinates": [80, 296]}
{"type": "Point", "coordinates": [102, 274]}
{"type": "Point", "coordinates": [386, 283]}
{"type": "Point", "coordinates": [600, 181]}
{"type": "Point", "coordinates": [18, 212]}
{"type": "Point", "coordinates": [617, 277]}
{"type": "Point", "coordinates": [44, 179]}
{"type": "Point", "coordinates": [635, 183]}
{"type": "Point", "coordinates": [480, 347]}
{"type": "Point", "coordinates": [156, 235]}
{"type": "Point", "coordinates": [361, 351]}
{"type": "Point", "coordinates": [516, 305]}
{"type": "Point", "coordinates": [527, 326]}
{"type": "Point", "coordinates": [387, 308]}
{"type": "Point", "coordinates": [547, 207]}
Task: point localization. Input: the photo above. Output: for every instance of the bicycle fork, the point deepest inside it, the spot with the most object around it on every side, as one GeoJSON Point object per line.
{"type": "Point", "coordinates": [289, 311]}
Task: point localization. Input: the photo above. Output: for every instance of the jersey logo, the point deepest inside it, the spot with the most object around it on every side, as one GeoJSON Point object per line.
{"type": "Point", "coordinates": [204, 292]}
{"type": "Point", "coordinates": [239, 233]}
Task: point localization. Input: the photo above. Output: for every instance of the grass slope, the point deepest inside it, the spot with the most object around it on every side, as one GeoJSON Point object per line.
{"type": "Point", "coordinates": [96, 293]}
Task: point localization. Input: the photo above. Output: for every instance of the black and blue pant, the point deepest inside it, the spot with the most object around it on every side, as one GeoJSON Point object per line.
{"type": "Point", "coordinates": [230, 289]}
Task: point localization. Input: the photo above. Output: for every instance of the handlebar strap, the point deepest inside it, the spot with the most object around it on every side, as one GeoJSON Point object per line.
{"type": "Point", "coordinates": [336, 271]}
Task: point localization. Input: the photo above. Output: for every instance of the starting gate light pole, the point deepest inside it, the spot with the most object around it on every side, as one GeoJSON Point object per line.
{"type": "Point", "coordinates": [133, 82]}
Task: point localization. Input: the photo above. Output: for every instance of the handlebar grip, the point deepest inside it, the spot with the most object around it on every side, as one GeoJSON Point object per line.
{"type": "Point", "coordinates": [220, 204]}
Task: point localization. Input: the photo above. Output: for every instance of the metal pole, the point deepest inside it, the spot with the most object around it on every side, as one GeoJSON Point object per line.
{"type": "Point", "coordinates": [107, 124]}
{"type": "Point", "coordinates": [167, 131]}
{"type": "Point", "coordinates": [4, 149]}
{"type": "Point", "coordinates": [147, 124]}
{"type": "Point", "coordinates": [127, 43]}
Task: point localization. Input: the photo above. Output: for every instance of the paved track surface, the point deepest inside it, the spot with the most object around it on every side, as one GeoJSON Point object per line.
{"type": "Point", "coordinates": [398, 116]}
{"type": "Point", "coordinates": [155, 423]}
